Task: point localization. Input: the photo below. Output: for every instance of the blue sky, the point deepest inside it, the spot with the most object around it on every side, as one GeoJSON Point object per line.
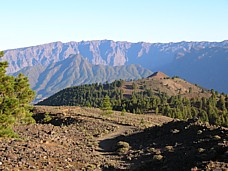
{"type": "Point", "coordinates": [26, 22]}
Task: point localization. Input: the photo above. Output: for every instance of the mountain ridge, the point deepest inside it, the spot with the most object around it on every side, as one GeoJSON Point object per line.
{"type": "Point", "coordinates": [24, 47]}
{"type": "Point", "coordinates": [76, 70]}
{"type": "Point", "coordinates": [163, 57]}
{"type": "Point", "coordinates": [56, 51]}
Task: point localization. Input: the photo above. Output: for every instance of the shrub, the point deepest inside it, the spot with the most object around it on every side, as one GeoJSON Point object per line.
{"type": "Point", "coordinates": [122, 147]}
{"type": "Point", "coordinates": [121, 151]}
{"type": "Point", "coordinates": [47, 118]}
{"type": "Point", "coordinates": [107, 112]}
{"type": "Point", "coordinates": [7, 132]}
{"type": "Point", "coordinates": [123, 144]}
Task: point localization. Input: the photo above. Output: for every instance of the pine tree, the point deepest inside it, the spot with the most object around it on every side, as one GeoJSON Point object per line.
{"type": "Point", "coordinates": [15, 96]}
{"type": "Point", "coordinates": [156, 110]}
{"type": "Point", "coordinates": [203, 116]}
{"type": "Point", "coordinates": [221, 103]}
{"type": "Point", "coordinates": [212, 114]}
{"type": "Point", "coordinates": [106, 103]}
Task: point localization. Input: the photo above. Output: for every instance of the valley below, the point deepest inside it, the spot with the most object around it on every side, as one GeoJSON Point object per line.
{"type": "Point", "coordinates": [80, 138]}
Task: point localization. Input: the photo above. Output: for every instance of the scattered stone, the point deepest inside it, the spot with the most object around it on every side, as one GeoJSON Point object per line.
{"type": "Point", "coordinates": [217, 137]}
{"type": "Point", "coordinates": [157, 157]}
{"type": "Point", "coordinates": [199, 132]}
{"type": "Point", "coordinates": [175, 131]}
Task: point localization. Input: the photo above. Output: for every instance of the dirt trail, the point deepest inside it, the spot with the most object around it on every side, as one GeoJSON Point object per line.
{"type": "Point", "coordinates": [107, 142]}
{"type": "Point", "coordinates": [121, 130]}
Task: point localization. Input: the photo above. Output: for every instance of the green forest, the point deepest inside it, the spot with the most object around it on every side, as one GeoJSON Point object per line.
{"type": "Point", "coordinates": [212, 109]}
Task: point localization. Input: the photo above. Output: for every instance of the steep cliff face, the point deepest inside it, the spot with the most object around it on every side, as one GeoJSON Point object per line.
{"type": "Point", "coordinates": [107, 52]}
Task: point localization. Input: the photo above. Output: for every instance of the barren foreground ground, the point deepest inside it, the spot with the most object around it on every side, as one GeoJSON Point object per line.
{"type": "Point", "coordinates": [75, 138]}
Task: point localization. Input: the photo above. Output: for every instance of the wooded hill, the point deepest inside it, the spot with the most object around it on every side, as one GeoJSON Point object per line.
{"type": "Point", "coordinates": [173, 97]}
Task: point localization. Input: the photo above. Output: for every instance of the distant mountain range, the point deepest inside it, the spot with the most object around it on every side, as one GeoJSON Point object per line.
{"type": "Point", "coordinates": [76, 70]}
{"type": "Point", "coordinates": [107, 52]}
{"type": "Point", "coordinates": [203, 63]}
{"type": "Point", "coordinates": [206, 66]}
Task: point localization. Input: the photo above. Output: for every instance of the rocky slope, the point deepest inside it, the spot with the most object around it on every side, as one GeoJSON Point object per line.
{"type": "Point", "coordinates": [85, 139]}
{"type": "Point", "coordinates": [76, 70]}
{"type": "Point", "coordinates": [178, 145]}
{"type": "Point", "coordinates": [69, 140]}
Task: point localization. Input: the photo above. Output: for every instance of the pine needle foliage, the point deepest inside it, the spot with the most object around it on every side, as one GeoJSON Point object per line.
{"type": "Point", "coordinates": [15, 98]}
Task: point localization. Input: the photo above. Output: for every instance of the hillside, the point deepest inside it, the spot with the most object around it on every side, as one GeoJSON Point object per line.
{"type": "Point", "coordinates": [159, 82]}
{"type": "Point", "coordinates": [155, 84]}
{"type": "Point", "coordinates": [171, 58]}
{"type": "Point", "coordinates": [158, 93]}
{"type": "Point", "coordinates": [75, 138]}
{"type": "Point", "coordinates": [76, 70]}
